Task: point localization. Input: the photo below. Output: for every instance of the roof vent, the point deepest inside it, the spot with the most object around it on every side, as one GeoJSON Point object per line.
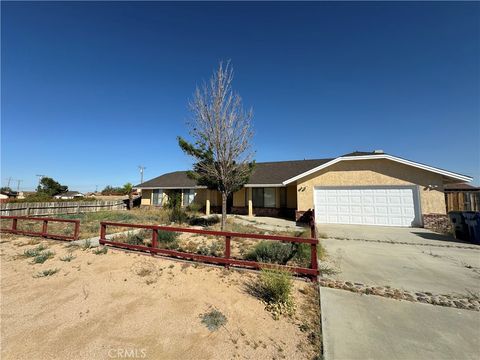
{"type": "Point", "coordinates": [378, 151]}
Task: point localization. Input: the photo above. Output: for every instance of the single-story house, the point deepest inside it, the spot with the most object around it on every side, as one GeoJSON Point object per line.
{"type": "Point", "coordinates": [68, 195]}
{"type": "Point", "coordinates": [372, 188]}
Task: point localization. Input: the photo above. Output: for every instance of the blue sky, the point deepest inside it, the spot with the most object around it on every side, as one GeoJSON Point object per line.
{"type": "Point", "coordinates": [92, 90]}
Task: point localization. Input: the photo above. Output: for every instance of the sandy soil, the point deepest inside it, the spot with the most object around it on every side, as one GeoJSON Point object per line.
{"type": "Point", "coordinates": [118, 304]}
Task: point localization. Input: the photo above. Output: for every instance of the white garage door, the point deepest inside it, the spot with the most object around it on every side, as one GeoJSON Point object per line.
{"type": "Point", "coordinates": [386, 206]}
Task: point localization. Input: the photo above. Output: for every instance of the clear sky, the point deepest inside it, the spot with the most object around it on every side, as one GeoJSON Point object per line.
{"type": "Point", "coordinates": [92, 90]}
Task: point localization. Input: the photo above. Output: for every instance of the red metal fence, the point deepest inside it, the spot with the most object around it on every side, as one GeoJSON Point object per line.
{"type": "Point", "coordinates": [226, 259]}
{"type": "Point", "coordinates": [44, 233]}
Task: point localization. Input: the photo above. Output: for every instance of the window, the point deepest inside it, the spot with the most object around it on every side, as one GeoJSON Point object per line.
{"type": "Point", "coordinates": [269, 197]}
{"type": "Point", "coordinates": [157, 197]}
{"type": "Point", "coordinates": [188, 196]}
{"type": "Point", "coordinates": [264, 197]}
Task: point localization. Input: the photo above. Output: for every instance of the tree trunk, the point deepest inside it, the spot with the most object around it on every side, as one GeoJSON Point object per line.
{"type": "Point", "coordinates": [130, 201]}
{"type": "Point", "coordinates": [224, 210]}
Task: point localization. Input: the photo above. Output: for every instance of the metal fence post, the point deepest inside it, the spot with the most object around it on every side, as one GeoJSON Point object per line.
{"type": "Point", "coordinates": [14, 225]}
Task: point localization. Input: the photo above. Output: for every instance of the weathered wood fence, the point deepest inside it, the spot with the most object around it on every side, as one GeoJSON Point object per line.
{"type": "Point", "coordinates": [462, 200]}
{"type": "Point", "coordinates": [60, 207]}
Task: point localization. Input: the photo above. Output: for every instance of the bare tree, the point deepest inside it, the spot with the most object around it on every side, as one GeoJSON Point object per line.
{"type": "Point", "coordinates": [222, 134]}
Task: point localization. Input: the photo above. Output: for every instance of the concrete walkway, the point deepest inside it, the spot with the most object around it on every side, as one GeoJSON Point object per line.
{"type": "Point", "coordinates": [268, 223]}
{"type": "Point", "coordinates": [370, 327]}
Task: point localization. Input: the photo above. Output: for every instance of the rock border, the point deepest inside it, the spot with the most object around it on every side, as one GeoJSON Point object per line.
{"type": "Point", "coordinates": [459, 302]}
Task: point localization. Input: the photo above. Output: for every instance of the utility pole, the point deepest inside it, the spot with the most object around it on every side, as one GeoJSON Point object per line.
{"type": "Point", "coordinates": [18, 184]}
{"type": "Point", "coordinates": [9, 179]}
{"type": "Point", "coordinates": [142, 169]}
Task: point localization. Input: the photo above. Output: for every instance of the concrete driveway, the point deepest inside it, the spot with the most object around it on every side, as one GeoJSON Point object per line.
{"type": "Point", "coordinates": [420, 265]}
{"type": "Point", "coordinates": [372, 327]}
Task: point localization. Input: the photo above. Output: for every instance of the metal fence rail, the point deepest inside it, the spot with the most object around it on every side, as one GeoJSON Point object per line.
{"type": "Point", "coordinates": [44, 233]}
{"type": "Point", "coordinates": [226, 259]}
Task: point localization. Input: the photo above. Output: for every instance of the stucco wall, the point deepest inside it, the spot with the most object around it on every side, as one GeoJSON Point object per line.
{"type": "Point", "coordinates": [239, 198]}
{"type": "Point", "coordinates": [374, 172]}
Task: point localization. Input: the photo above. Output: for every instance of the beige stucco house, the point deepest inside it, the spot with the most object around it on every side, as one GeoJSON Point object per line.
{"type": "Point", "coordinates": [370, 188]}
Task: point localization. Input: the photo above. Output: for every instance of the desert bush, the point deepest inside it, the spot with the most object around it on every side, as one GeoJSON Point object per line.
{"type": "Point", "coordinates": [167, 236]}
{"type": "Point", "coordinates": [45, 273]}
{"type": "Point", "coordinates": [214, 319]}
{"type": "Point", "coordinates": [194, 207]}
{"type": "Point", "coordinates": [177, 215]}
{"type": "Point", "coordinates": [204, 221]}
{"type": "Point", "coordinates": [69, 257]}
{"type": "Point", "coordinates": [100, 251]}
{"type": "Point", "coordinates": [42, 257]}
{"type": "Point", "coordinates": [35, 251]}
{"type": "Point", "coordinates": [274, 287]}
{"type": "Point", "coordinates": [271, 252]}
{"type": "Point", "coordinates": [214, 249]}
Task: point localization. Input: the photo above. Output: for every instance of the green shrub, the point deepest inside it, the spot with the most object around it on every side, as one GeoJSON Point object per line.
{"type": "Point", "coordinates": [69, 257]}
{"type": "Point", "coordinates": [45, 273]}
{"type": "Point", "coordinates": [43, 256]}
{"type": "Point", "coordinates": [213, 320]}
{"type": "Point", "coordinates": [35, 251]}
{"type": "Point", "coordinates": [100, 251]}
{"type": "Point", "coordinates": [167, 236]}
{"type": "Point", "coordinates": [275, 286]}
{"type": "Point", "coordinates": [178, 215]}
{"type": "Point", "coordinates": [271, 252]}
{"type": "Point", "coordinates": [194, 207]}
{"type": "Point", "coordinates": [214, 249]}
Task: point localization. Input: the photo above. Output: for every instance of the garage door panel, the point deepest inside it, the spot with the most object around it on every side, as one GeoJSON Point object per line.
{"type": "Point", "coordinates": [386, 206]}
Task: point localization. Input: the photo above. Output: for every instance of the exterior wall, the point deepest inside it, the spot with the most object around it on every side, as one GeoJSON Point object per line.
{"type": "Point", "coordinates": [239, 198]}
{"type": "Point", "coordinates": [374, 172]}
{"type": "Point", "coordinates": [292, 196]}
{"type": "Point", "coordinates": [200, 197]}
{"type": "Point", "coordinates": [146, 197]}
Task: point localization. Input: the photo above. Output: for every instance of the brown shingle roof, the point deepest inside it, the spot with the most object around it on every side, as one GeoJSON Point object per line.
{"type": "Point", "coordinates": [265, 173]}
{"type": "Point", "coordinates": [177, 179]}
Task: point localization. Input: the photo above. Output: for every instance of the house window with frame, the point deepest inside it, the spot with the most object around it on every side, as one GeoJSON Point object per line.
{"type": "Point", "coordinates": [264, 197]}
{"type": "Point", "coordinates": [188, 196]}
{"type": "Point", "coordinates": [157, 197]}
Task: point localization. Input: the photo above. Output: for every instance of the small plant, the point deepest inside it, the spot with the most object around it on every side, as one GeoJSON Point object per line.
{"type": "Point", "coordinates": [214, 249]}
{"type": "Point", "coordinates": [42, 257]}
{"type": "Point", "coordinates": [274, 287]}
{"type": "Point", "coordinates": [213, 320]}
{"type": "Point", "coordinates": [178, 215]}
{"type": "Point", "coordinates": [194, 207]}
{"type": "Point", "coordinates": [45, 273]}
{"type": "Point", "coordinates": [35, 251]}
{"type": "Point", "coordinates": [167, 236]}
{"type": "Point", "coordinates": [100, 251]}
{"type": "Point", "coordinates": [67, 258]}
{"type": "Point", "coordinates": [87, 244]}
{"type": "Point", "coordinates": [271, 252]}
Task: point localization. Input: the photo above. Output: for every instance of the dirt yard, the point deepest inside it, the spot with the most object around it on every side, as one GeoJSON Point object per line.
{"type": "Point", "coordinates": [100, 306]}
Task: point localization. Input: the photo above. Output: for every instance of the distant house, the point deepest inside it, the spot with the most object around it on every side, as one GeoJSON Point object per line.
{"type": "Point", "coordinates": [69, 195]}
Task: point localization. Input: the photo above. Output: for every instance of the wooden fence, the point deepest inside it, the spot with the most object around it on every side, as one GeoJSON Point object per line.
{"type": "Point", "coordinates": [462, 200]}
{"type": "Point", "coordinates": [52, 208]}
